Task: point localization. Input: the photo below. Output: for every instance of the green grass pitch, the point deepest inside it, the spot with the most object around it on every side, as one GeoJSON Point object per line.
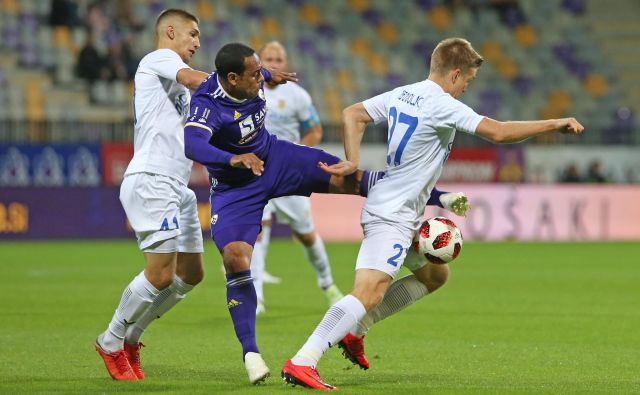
{"type": "Point", "coordinates": [515, 318]}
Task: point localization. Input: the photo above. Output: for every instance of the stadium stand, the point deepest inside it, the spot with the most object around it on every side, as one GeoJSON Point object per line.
{"type": "Point", "coordinates": [544, 59]}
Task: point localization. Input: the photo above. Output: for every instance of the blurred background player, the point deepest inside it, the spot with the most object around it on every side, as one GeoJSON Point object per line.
{"type": "Point", "coordinates": [423, 119]}
{"type": "Point", "coordinates": [154, 194]}
{"type": "Point", "coordinates": [290, 114]}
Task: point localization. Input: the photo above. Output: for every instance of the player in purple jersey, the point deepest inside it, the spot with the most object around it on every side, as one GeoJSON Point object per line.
{"type": "Point", "coordinates": [248, 166]}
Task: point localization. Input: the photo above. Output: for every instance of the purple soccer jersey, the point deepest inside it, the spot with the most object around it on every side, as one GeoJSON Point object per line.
{"type": "Point", "coordinates": [234, 126]}
{"type": "Point", "coordinates": [219, 126]}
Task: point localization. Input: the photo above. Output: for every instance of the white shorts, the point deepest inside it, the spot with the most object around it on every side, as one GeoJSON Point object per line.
{"type": "Point", "coordinates": [160, 208]}
{"type": "Point", "coordinates": [293, 210]}
{"type": "Point", "coordinates": [386, 247]}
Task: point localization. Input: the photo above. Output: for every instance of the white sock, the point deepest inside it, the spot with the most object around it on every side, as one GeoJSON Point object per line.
{"type": "Point", "coordinates": [265, 240]}
{"type": "Point", "coordinates": [136, 299]}
{"type": "Point", "coordinates": [163, 302]}
{"type": "Point", "coordinates": [340, 317]}
{"type": "Point", "coordinates": [402, 293]}
{"type": "Point", "coordinates": [257, 269]}
{"type": "Point", "coordinates": [317, 256]}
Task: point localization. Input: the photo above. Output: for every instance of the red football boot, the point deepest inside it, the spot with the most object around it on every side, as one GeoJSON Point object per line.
{"type": "Point", "coordinates": [133, 355]}
{"type": "Point", "coordinates": [353, 349]}
{"type": "Point", "coordinates": [117, 364]}
{"type": "Point", "coordinates": [306, 376]}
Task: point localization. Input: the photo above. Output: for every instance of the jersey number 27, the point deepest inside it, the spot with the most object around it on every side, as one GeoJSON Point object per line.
{"type": "Point", "coordinates": [394, 120]}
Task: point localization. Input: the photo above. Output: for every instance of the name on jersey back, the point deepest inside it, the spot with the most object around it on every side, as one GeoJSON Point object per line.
{"type": "Point", "coordinates": [410, 98]}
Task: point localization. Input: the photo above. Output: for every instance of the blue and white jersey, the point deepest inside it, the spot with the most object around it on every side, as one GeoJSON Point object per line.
{"type": "Point", "coordinates": [236, 126]}
{"type": "Point", "coordinates": [160, 110]}
{"type": "Point", "coordinates": [423, 120]}
{"type": "Point", "coordinates": [290, 109]}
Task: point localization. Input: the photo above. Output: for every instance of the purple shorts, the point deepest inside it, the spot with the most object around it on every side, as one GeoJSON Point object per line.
{"type": "Point", "coordinates": [290, 169]}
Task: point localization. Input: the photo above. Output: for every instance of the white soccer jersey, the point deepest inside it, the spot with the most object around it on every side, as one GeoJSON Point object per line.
{"type": "Point", "coordinates": [423, 120]}
{"type": "Point", "coordinates": [289, 106]}
{"type": "Point", "coordinates": [160, 110]}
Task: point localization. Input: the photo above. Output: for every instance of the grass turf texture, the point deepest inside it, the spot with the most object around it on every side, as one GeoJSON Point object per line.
{"type": "Point", "coordinates": [513, 319]}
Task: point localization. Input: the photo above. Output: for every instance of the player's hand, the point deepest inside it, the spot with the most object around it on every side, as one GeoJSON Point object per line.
{"type": "Point", "coordinates": [281, 77]}
{"type": "Point", "coordinates": [248, 161]}
{"type": "Point", "coordinates": [569, 126]}
{"type": "Point", "coordinates": [342, 168]}
{"type": "Point", "coordinates": [456, 202]}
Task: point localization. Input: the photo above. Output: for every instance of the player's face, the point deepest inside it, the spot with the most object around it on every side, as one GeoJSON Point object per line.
{"type": "Point", "coordinates": [248, 84]}
{"type": "Point", "coordinates": [274, 58]}
{"type": "Point", "coordinates": [187, 39]}
{"type": "Point", "coordinates": [461, 82]}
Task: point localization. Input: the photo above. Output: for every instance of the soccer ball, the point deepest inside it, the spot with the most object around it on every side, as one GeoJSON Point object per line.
{"type": "Point", "coordinates": [439, 240]}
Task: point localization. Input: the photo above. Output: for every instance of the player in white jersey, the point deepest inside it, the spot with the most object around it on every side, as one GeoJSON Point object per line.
{"type": "Point", "coordinates": [290, 109]}
{"type": "Point", "coordinates": [161, 209]}
{"type": "Point", "coordinates": [423, 119]}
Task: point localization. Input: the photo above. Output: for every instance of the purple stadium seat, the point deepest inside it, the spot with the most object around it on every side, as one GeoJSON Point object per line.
{"type": "Point", "coordinates": [10, 36]}
{"type": "Point", "coordinates": [425, 4]}
{"type": "Point", "coordinates": [522, 84]}
{"type": "Point", "coordinates": [423, 48]}
{"type": "Point", "coordinates": [513, 17]}
{"type": "Point", "coordinates": [372, 16]}
{"type": "Point", "coordinates": [156, 7]}
{"type": "Point", "coordinates": [223, 26]}
{"type": "Point", "coordinates": [576, 7]}
{"type": "Point", "coordinates": [325, 62]}
{"type": "Point", "coordinates": [490, 102]}
{"type": "Point", "coordinates": [395, 79]}
{"type": "Point", "coordinates": [28, 55]}
{"type": "Point", "coordinates": [306, 45]}
{"type": "Point", "coordinates": [253, 11]}
{"type": "Point", "coordinates": [297, 3]}
{"type": "Point", "coordinates": [326, 30]}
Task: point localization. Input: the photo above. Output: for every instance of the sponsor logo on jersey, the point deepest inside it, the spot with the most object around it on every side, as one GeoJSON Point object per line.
{"type": "Point", "coordinates": [214, 219]}
{"type": "Point", "coordinates": [236, 115]}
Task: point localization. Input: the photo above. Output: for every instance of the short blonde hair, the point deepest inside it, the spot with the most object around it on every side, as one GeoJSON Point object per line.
{"type": "Point", "coordinates": [454, 53]}
{"type": "Point", "coordinates": [273, 44]}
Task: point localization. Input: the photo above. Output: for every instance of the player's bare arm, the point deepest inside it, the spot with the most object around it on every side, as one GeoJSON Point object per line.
{"type": "Point", "coordinates": [191, 78]}
{"type": "Point", "coordinates": [355, 119]}
{"type": "Point", "coordinates": [313, 136]}
{"type": "Point", "coordinates": [515, 131]}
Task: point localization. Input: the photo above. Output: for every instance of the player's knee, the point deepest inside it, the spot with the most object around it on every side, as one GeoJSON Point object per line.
{"type": "Point", "coordinates": [433, 276]}
{"type": "Point", "coordinates": [236, 257]}
{"type": "Point", "coordinates": [160, 278]}
{"type": "Point", "coordinates": [308, 239]}
{"type": "Point", "coordinates": [369, 298]}
{"type": "Point", "coordinates": [193, 276]}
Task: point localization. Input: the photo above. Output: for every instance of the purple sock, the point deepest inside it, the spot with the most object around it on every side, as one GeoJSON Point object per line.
{"type": "Point", "coordinates": [369, 179]}
{"type": "Point", "coordinates": [242, 301]}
